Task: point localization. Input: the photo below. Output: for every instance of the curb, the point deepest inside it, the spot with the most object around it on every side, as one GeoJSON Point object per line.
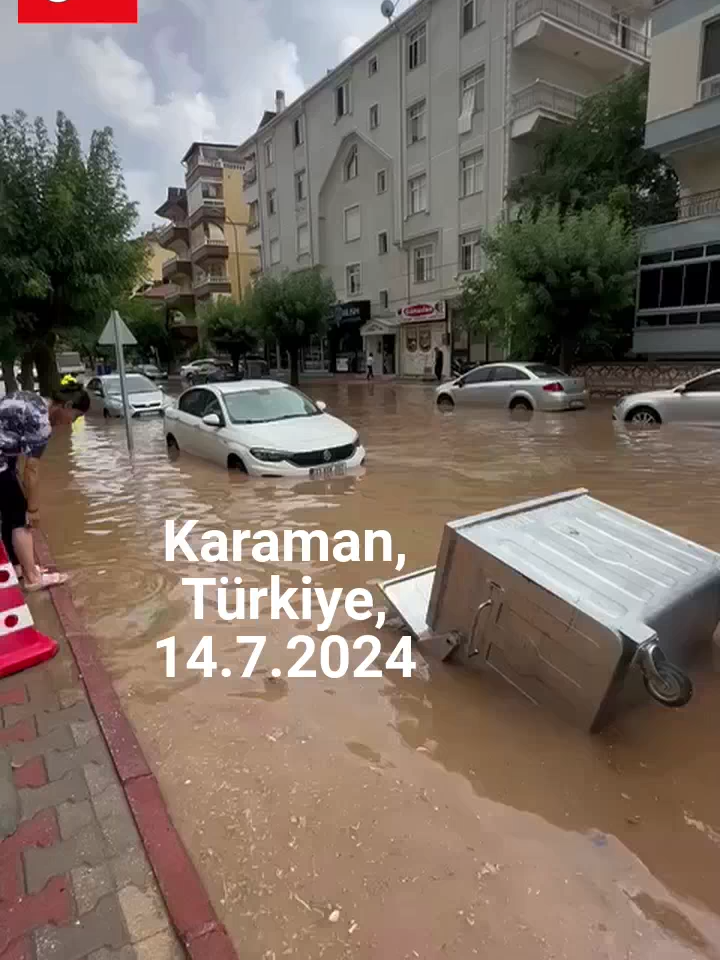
{"type": "Point", "coordinates": [188, 905]}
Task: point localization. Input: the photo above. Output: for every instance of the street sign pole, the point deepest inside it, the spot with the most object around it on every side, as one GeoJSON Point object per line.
{"type": "Point", "coordinates": [117, 333]}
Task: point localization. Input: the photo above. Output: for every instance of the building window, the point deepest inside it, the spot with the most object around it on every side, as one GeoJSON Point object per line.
{"type": "Point", "coordinates": [471, 168]}
{"type": "Point", "coordinates": [424, 263]}
{"type": "Point", "coordinates": [382, 242]}
{"type": "Point", "coordinates": [298, 131]}
{"type": "Point", "coordinates": [211, 191]}
{"type": "Point", "coordinates": [352, 279]}
{"type": "Point", "coordinates": [381, 181]}
{"type": "Point", "coordinates": [472, 98]}
{"type": "Point", "coordinates": [352, 224]}
{"type": "Point", "coordinates": [351, 164]}
{"type": "Point", "coordinates": [342, 100]}
{"type": "Point", "coordinates": [384, 298]}
{"type": "Point", "coordinates": [254, 214]}
{"type": "Point", "coordinates": [417, 126]}
{"type": "Point", "coordinates": [417, 47]}
{"type": "Point", "coordinates": [471, 14]}
{"type": "Point", "coordinates": [303, 238]}
{"type": "Point", "coordinates": [272, 202]}
{"type": "Point", "coordinates": [269, 153]}
{"type": "Point", "coordinates": [417, 194]}
{"type": "Point", "coordinates": [470, 252]}
{"type": "Point", "coordinates": [372, 66]}
{"type": "Point", "coordinates": [374, 116]}
{"type": "Point", "coordinates": [300, 186]}
{"type": "Point", "coordinates": [275, 250]}
{"type": "Point", "coordinates": [710, 63]}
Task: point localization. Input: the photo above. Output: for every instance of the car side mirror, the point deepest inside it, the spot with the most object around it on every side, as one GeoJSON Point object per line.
{"type": "Point", "coordinates": [321, 405]}
{"type": "Point", "coordinates": [460, 382]}
{"type": "Point", "coordinates": [212, 420]}
{"type": "Point", "coordinates": [681, 389]}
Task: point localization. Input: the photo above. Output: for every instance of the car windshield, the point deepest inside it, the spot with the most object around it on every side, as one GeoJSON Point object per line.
{"type": "Point", "coordinates": [266, 405]}
{"type": "Point", "coordinates": [134, 382]}
{"type": "Point", "coordinates": [544, 370]}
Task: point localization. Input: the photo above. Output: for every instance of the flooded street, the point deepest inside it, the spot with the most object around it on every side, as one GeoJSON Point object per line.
{"type": "Point", "coordinates": [390, 818]}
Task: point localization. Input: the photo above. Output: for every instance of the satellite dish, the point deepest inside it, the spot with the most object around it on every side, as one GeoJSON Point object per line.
{"type": "Point", "coordinates": [387, 8]}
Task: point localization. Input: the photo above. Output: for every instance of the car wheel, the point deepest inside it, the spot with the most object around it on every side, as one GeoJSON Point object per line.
{"type": "Point", "coordinates": [643, 417]}
{"type": "Point", "coordinates": [235, 463]}
{"type": "Point", "coordinates": [105, 413]}
{"type": "Point", "coordinates": [520, 404]}
{"type": "Point", "coordinates": [173, 447]}
{"type": "Point", "coordinates": [445, 401]}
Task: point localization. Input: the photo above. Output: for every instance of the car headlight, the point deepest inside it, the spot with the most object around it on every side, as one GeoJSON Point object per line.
{"type": "Point", "coordinates": [270, 456]}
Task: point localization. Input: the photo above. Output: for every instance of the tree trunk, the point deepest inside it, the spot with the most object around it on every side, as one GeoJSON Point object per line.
{"type": "Point", "coordinates": [294, 366]}
{"type": "Point", "coordinates": [567, 353]}
{"type": "Point", "coordinates": [235, 360]}
{"type": "Point", "coordinates": [48, 376]}
{"type": "Point", "coordinates": [8, 373]}
{"type": "Point", "coordinates": [27, 372]}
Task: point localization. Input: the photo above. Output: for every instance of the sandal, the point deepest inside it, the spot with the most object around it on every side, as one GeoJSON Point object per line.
{"type": "Point", "coordinates": [46, 581]}
{"type": "Point", "coordinates": [41, 571]}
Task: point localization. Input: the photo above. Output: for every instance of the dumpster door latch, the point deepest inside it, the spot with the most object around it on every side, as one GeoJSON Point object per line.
{"type": "Point", "coordinates": [477, 642]}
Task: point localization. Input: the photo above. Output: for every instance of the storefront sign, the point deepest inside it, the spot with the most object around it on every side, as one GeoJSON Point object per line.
{"type": "Point", "coordinates": [353, 310]}
{"type": "Point", "coordinates": [419, 312]}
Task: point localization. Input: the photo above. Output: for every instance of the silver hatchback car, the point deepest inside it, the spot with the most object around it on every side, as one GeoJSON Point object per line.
{"type": "Point", "coordinates": [515, 386]}
{"type": "Point", "coordinates": [697, 401]}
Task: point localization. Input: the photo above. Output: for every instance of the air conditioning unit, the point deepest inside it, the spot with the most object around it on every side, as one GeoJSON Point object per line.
{"type": "Point", "coordinates": [710, 87]}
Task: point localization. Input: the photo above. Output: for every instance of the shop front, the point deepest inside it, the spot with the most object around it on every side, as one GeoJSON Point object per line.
{"type": "Point", "coordinates": [380, 337]}
{"type": "Point", "coordinates": [345, 341]}
{"type": "Point", "coordinates": [423, 330]}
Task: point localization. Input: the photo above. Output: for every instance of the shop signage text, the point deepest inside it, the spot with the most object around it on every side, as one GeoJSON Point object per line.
{"type": "Point", "coordinates": [414, 312]}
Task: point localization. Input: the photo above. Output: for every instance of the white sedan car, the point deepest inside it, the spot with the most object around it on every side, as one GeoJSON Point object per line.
{"type": "Point", "coordinates": [144, 396]}
{"type": "Point", "coordinates": [264, 428]}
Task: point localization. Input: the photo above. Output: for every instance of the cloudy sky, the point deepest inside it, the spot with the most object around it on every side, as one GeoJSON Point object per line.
{"type": "Point", "coordinates": [191, 70]}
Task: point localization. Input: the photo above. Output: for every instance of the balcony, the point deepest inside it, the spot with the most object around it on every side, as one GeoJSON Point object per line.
{"type": "Point", "coordinates": [250, 177]}
{"type": "Point", "coordinates": [207, 285]}
{"type": "Point", "coordinates": [252, 227]}
{"type": "Point", "coordinates": [179, 265]}
{"type": "Point", "coordinates": [211, 208]}
{"type": "Point", "coordinates": [570, 29]}
{"type": "Point", "coordinates": [209, 250]}
{"type": "Point", "coordinates": [175, 232]}
{"type": "Point", "coordinates": [540, 104]}
{"type": "Point", "coordinates": [180, 296]}
{"type": "Point", "coordinates": [699, 205]}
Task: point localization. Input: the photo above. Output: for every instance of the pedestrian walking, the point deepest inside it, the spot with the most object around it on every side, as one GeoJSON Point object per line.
{"type": "Point", "coordinates": [26, 423]}
{"type": "Point", "coordinates": [439, 360]}
{"type": "Point", "coordinates": [370, 364]}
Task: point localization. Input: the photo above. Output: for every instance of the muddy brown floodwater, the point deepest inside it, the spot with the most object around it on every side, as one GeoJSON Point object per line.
{"type": "Point", "coordinates": [436, 816]}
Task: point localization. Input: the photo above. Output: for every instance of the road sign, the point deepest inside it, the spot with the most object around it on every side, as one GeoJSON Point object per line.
{"type": "Point", "coordinates": [108, 338]}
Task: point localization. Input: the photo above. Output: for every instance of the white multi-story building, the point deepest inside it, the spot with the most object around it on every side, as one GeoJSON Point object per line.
{"type": "Point", "coordinates": [386, 170]}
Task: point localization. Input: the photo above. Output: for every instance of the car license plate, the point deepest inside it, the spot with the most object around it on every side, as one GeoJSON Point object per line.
{"type": "Point", "coordinates": [577, 404]}
{"type": "Point", "coordinates": [331, 470]}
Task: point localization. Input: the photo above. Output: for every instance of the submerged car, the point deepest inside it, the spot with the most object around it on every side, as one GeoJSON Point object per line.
{"type": "Point", "coordinates": [144, 397]}
{"type": "Point", "coordinates": [215, 371]}
{"type": "Point", "coordinates": [515, 386]}
{"type": "Point", "coordinates": [697, 401]}
{"type": "Point", "coordinates": [186, 368]}
{"type": "Point", "coordinates": [264, 428]}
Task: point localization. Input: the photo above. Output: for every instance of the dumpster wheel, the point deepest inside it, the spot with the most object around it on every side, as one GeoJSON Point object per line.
{"type": "Point", "coordinates": [667, 684]}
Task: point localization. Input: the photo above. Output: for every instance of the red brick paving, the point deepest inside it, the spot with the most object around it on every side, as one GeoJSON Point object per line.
{"type": "Point", "coordinates": [12, 697]}
{"type": "Point", "coordinates": [41, 831]}
{"type": "Point", "coordinates": [53, 905]}
{"type": "Point", "coordinates": [22, 731]}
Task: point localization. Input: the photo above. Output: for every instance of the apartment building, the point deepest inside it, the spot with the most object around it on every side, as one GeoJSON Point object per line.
{"type": "Point", "coordinates": [385, 171]}
{"type": "Point", "coordinates": [678, 307]}
{"type": "Point", "coordinates": [207, 233]}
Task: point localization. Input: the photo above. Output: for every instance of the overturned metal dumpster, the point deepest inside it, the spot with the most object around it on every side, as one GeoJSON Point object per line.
{"type": "Point", "coordinates": [568, 599]}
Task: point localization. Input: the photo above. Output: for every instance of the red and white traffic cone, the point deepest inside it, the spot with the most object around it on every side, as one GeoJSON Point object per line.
{"type": "Point", "coordinates": [21, 645]}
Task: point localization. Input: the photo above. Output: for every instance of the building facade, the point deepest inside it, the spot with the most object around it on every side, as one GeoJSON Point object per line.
{"type": "Point", "coordinates": [209, 254]}
{"type": "Point", "coordinates": [385, 172]}
{"type": "Point", "coordinates": [678, 307]}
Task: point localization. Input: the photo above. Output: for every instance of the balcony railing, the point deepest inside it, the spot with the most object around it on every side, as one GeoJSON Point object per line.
{"type": "Point", "coordinates": [214, 280]}
{"type": "Point", "coordinates": [250, 177]}
{"type": "Point", "coordinates": [699, 205]}
{"type": "Point", "coordinates": [546, 96]}
{"type": "Point", "coordinates": [600, 25]}
{"type": "Point", "coordinates": [709, 87]}
{"type": "Point", "coordinates": [213, 202]}
{"type": "Point", "coordinates": [208, 245]}
{"type": "Point", "coordinates": [165, 233]}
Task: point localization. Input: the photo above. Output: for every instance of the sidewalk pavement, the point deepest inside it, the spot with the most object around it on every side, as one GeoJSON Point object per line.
{"type": "Point", "coordinates": [75, 883]}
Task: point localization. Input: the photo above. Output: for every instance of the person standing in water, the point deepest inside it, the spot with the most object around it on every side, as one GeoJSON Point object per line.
{"type": "Point", "coordinates": [370, 365]}
{"type": "Point", "coordinates": [26, 423]}
{"type": "Point", "coordinates": [439, 360]}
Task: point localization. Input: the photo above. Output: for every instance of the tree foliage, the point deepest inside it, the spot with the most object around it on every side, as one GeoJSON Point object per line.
{"type": "Point", "coordinates": [555, 284]}
{"type": "Point", "coordinates": [66, 253]}
{"type": "Point", "coordinates": [229, 327]}
{"type": "Point", "coordinates": [601, 159]}
{"type": "Point", "coordinates": [291, 309]}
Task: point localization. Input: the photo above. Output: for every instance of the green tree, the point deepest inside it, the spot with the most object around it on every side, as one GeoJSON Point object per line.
{"type": "Point", "coordinates": [148, 323]}
{"type": "Point", "coordinates": [555, 284]}
{"type": "Point", "coordinates": [601, 159]}
{"type": "Point", "coordinates": [291, 309]}
{"type": "Point", "coordinates": [66, 253]}
{"type": "Point", "coordinates": [229, 327]}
